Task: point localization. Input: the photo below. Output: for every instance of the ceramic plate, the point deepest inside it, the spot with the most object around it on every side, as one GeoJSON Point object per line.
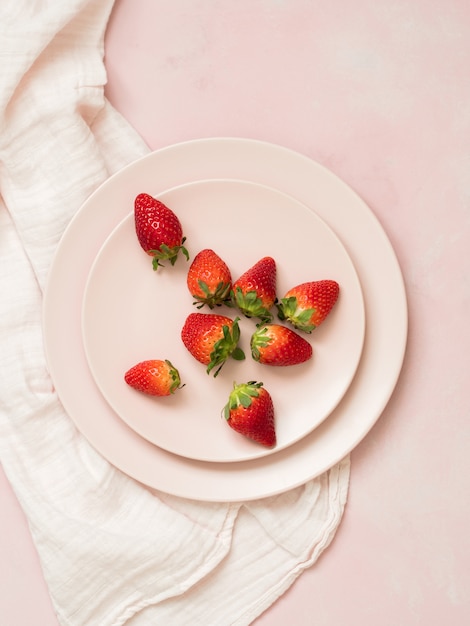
{"type": "Point", "coordinates": [132, 313]}
{"type": "Point", "coordinates": [385, 311]}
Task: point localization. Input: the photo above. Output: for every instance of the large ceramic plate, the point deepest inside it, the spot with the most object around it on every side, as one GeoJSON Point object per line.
{"type": "Point", "coordinates": [385, 309]}
{"type": "Point", "coordinates": [131, 313]}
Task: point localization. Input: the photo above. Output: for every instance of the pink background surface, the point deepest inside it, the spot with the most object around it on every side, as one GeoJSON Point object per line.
{"type": "Point", "coordinates": [379, 92]}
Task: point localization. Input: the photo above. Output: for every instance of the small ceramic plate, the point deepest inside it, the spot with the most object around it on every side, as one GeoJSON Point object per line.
{"type": "Point", "coordinates": [132, 313]}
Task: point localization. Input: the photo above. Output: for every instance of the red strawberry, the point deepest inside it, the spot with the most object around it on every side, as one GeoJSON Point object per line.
{"type": "Point", "coordinates": [209, 279]}
{"type": "Point", "coordinates": [154, 377]}
{"type": "Point", "coordinates": [254, 293]}
{"type": "Point", "coordinates": [250, 412]}
{"type": "Point", "coordinates": [307, 305]}
{"type": "Point", "coordinates": [158, 230]}
{"type": "Point", "coordinates": [273, 344]}
{"type": "Point", "coordinates": [212, 339]}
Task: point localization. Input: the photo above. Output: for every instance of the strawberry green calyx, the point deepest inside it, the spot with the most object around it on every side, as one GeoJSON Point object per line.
{"type": "Point", "coordinates": [166, 253]}
{"type": "Point", "coordinates": [250, 304]}
{"type": "Point", "coordinates": [259, 339]}
{"type": "Point", "coordinates": [226, 347]}
{"type": "Point", "coordinates": [241, 395]}
{"type": "Point", "coordinates": [300, 318]}
{"type": "Point", "coordinates": [174, 376]}
{"type": "Point", "coordinates": [213, 298]}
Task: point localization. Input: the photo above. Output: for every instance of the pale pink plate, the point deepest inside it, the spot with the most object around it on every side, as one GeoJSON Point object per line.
{"type": "Point", "coordinates": [385, 311]}
{"type": "Point", "coordinates": [131, 314]}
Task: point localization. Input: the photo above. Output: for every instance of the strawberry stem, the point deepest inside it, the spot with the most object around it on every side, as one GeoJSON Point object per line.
{"type": "Point", "coordinates": [175, 377]}
{"type": "Point", "coordinates": [259, 339]}
{"type": "Point", "coordinates": [212, 298]}
{"type": "Point", "coordinates": [165, 253]}
{"type": "Point", "coordinates": [289, 310]}
{"type": "Point", "coordinates": [250, 304]}
{"type": "Point", "coordinates": [226, 347]}
{"type": "Point", "coordinates": [243, 395]}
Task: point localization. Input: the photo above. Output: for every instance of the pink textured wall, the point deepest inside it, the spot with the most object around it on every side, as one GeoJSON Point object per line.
{"type": "Point", "coordinates": [378, 91]}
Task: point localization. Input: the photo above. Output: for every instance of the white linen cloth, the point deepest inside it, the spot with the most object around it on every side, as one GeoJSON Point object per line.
{"type": "Point", "coordinates": [112, 551]}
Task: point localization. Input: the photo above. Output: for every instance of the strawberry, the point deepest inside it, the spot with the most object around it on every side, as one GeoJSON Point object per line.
{"type": "Point", "coordinates": [158, 229]}
{"type": "Point", "coordinates": [254, 293]}
{"type": "Point", "coordinates": [154, 377]}
{"type": "Point", "coordinates": [307, 305]}
{"type": "Point", "coordinates": [212, 339]}
{"type": "Point", "coordinates": [273, 344]}
{"type": "Point", "coordinates": [209, 279]}
{"type": "Point", "coordinates": [250, 412]}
